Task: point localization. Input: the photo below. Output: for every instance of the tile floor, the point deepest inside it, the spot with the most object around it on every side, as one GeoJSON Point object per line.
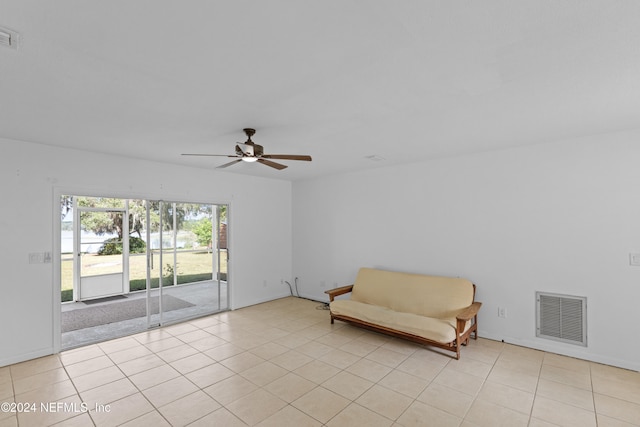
{"type": "Point", "coordinates": [282, 363]}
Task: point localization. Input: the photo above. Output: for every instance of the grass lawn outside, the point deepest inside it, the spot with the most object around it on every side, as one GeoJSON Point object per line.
{"type": "Point", "coordinates": [191, 267]}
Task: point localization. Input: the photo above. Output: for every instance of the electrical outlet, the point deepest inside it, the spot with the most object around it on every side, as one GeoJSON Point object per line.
{"type": "Point", "coordinates": [502, 312]}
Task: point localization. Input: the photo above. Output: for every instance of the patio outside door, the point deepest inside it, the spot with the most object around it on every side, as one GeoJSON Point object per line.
{"type": "Point", "coordinates": [101, 267]}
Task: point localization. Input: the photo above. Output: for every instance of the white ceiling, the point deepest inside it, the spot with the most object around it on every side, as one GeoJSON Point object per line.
{"type": "Point", "coordinates": [336, 79]}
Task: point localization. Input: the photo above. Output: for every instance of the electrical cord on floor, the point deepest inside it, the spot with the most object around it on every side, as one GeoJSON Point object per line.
{"type": "Point", "coordinates": [324, 306]}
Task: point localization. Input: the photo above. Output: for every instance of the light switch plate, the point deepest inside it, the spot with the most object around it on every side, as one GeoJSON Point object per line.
{"type": "Point", "coordinates": [634, 259]}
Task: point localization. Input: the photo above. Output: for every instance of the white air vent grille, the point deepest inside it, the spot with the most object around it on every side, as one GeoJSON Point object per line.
{"type": "Point", "coordinates": [561, 318]}
{"type": "Point", "coordinates": [8, 38]}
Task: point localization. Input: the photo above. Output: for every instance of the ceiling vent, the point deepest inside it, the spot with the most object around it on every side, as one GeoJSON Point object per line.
{"type": "Point", "coordinates": [8, 38]}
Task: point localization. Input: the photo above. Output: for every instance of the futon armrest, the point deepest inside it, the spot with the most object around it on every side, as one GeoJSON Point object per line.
{"type": "Point", "coordinates": [338, 291]}
{"type": "Point", "coordinates": [469, 312]}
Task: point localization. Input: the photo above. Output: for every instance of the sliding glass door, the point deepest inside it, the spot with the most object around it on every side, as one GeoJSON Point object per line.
{"type": "Point", "coordinates": [187, 254]}
{"type": "Point", "coordinates": [172, 266]}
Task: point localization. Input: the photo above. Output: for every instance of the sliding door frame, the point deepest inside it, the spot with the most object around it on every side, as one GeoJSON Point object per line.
{"type": "Point", "coordinates": [58, 192]}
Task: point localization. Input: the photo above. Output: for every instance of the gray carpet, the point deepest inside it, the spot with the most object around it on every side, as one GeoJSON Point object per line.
{"type": "Point", "coordinates": [117, 311]}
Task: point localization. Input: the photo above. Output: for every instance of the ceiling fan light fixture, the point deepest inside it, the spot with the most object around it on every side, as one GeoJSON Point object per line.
{"type": "Point", "coordinates": [249, 159]}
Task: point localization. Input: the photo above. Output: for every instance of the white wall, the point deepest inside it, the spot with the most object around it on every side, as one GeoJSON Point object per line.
{"type": "Point", "coordinates": [31, 176]}
{"type": "Point", "coordinates": [559, 217]}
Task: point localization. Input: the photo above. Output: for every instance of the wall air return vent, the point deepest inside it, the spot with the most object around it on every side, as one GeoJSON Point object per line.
{"type": "Point", "coordinates": [8, 38]}
{"type": "Point", "coordinates": [561, 318]}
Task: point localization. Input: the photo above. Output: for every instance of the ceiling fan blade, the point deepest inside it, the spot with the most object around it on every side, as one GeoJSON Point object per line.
{"type": "Point", "coordinates": [272, 164]}
{"type": "Point", "coordinates": [286, 157]}
{"type": "Point", "coordinates": [207, 155]}
{"type": "Point", "coordinates": [229, 164]}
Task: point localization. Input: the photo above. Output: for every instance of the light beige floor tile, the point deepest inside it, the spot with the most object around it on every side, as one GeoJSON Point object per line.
{"type": "Point", "coordinates": [269, 350]}
{"type": "Point", "coordinates": [512, 378]}
{"type": "Point", "coordinates": [204, 377]}
{"type": "Point", "coordinates": [6, 390]}
{"type": "Point", "coordinates": [230, 389]}
{"type": "Point", "coordinates": [109, 392]}
{"type": "Point", "coordinates": [404, 383]}
{"type": "Point", "coordinates": [339, 358]}
{"type": "Point", "coordinates": [387, 357]}
{"type": "Point", "coordinates": [290, 387]}
{"type": "Point", "coordinates": [385, 402]}
{"type": "Point", "coordinates": [35, 366]}
{"type": "Point", "coordinates": [82, 420]}
{"type": "Point", "coordinates": [481, 354]}
{"type": "Point", "coordinates": [604, 421]}
{"type": "Point", "coordinates": [11, 420]}
{"type": "Point", "coordinates": [402, 346]}
{"type": "Point", "coordinates": [291, 360]}
{"type": "Point", "coordinates": [98, 378]}
{"type": "Point", "coordinates": [459, 381]}
{"type": "Point", "coordinates": [506, 396]}
{"type": "Point", "coordinates": [55, 412]}
{"type": "Point", "coordinates": [117, 345]}
{"type": "Point", "coordinates": [289, 416]}
{"type": "Point", "coordinates": [129, 354]}
{"type": "Point", "coordinates": [169, 391]}
{"type": "Point", "coordinates": [470, 366]}
{"type": "Point", "coordinates": [314, 349]}
{"type": "Point", "coordinates": [256, 406]}
{"type": "Point", "coordinates": [519, 353]}
{"type": "Point", "coordinates": [561, 413]}
{"type": "Point", "coordinates": [292, 341]}
{"type": "Point", "coordinates": [348, 385]}
{"type": "Point", "coordinates": [92, 365]}
{"type": "Point", "coordinates": [122, 411]}
{"type": "Point", "coordinates": [565, 376]}
{"type": "Point", "coordinates": [188, 408]}
{"type": "Point", "coordinates": [522, 366]}
{"type": "Point", "coordinates": [151, 336]}
{"type": "Point", "coordinates": [359, 348]}
{"type": "Point", "coordinates": [535, 422]}
{"type": "Point", "coordinates": [192, 363]}
{"type": "Point", "coordinates": [150, 419]}
{"type": "Point", "coordinates": [334, 340]}
{"type": "Point", "coordinates": [163, 344]}
{"type": "Point", "coordinates": [81, 354]}
{"type": "Point", "coordinates": [420, 414]}
{"type": "Point", "coordinates": [48, 393]}
{"type": "Point", "coordinates": [196, 335]}
{"type": "Point", "coordinates": [566, 362]}
{"type": "Point", "coordinates": [566, 394]}
{"type": "Point", "coordinates": [419, 367]}
{"type": "Point", "coordinates": [220, 417]}
{"type": "Point", "coordinates": [141, 364]}
{"type": "Point", "coordinates": [43, 379]}
{"type": "Point", "coordinates": [622, 389]}
{"type": "Point", "coordinates": [486, 414]}
{"type": "Point", "coordinates": [154, 376]}
{"type": "Point", "coordinates": [317, 371]}
{"type": "Point", "coordinates": [180, 328]}
{"type": "Point", "coordinates": [176, 353]}
{"type": "Point", "coordinates": [223, 352]}
{"type": "Point", "coordinates": [369, 370]}
{"type": "Point", "coordinates": [616, 408]}
{"type": "Point", "coordinates": [321, 404]}
{"type": "Point", "coordinates": [264, 373]}
{"type": "Point", "coordinates": [446, 399]}
{"type": "Point", "coordinates": [211, 341]}
{"type": "Point", "coordinates": [356, 415]}
{"type": "Point", "coordinates": [241, 362]}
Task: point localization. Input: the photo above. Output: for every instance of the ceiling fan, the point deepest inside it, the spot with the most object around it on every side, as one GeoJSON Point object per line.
{"type": "Point", "coordinates": [249, 151]}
